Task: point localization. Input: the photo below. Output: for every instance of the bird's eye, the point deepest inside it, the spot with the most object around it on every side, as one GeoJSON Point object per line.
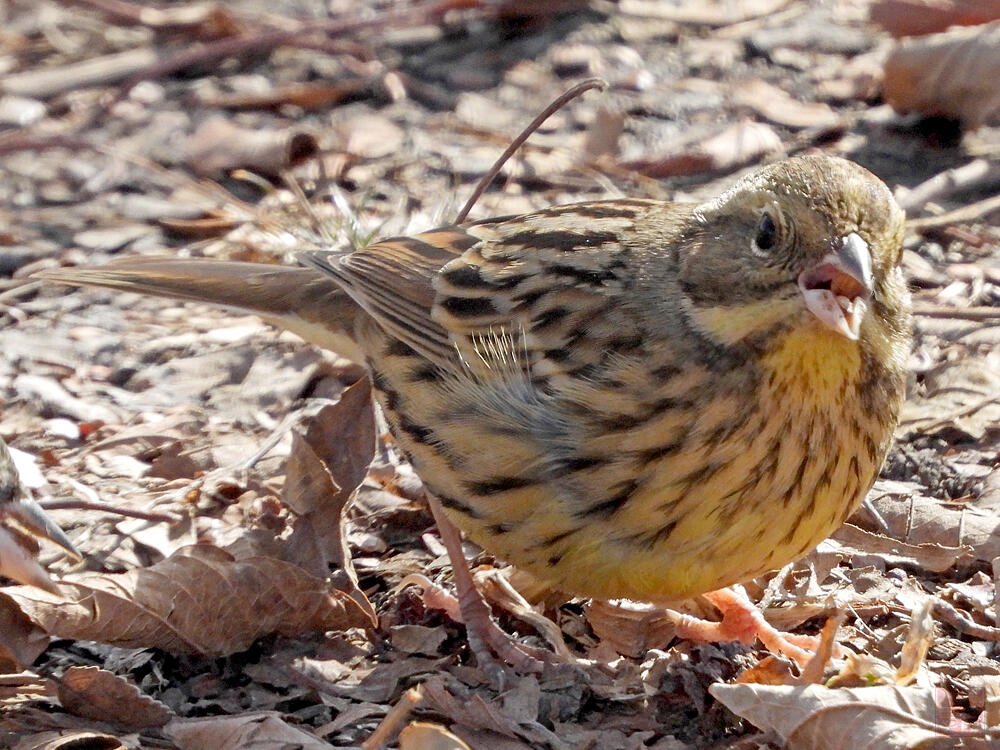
{"type": "Point", "coordinates": [766, 236]}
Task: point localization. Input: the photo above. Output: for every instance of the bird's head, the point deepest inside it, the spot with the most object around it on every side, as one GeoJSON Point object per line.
{"type": "Point", "coordinates": [809, 245]}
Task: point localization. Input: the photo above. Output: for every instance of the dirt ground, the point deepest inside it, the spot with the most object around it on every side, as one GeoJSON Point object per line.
{"type": "Point", "coordinates": [226, 595]}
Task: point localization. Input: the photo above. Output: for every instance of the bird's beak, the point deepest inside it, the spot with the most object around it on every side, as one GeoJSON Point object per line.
{"type": "Point", "coordinates": [838, 288]}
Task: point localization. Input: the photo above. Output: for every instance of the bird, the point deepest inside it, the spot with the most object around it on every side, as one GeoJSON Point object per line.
{"type": "Point", "coordinates": [626, 398]}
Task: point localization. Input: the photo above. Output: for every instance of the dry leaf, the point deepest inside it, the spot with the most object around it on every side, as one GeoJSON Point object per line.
{"type": "Point", "coordinates": [265, 729]}
{"type": "Point", "coordinates": [919, 520]}
{"type": "Point", "coordinates": [962, 397]}
{"type": "Point", "coordinates": [342, 436]}
{"type": "Point", "coordinates": [325, 467]}
{"type": "Point", "coordinates": [95, 693]}
{"type": "Point", "coordinates": [21, 641]}
{"type": "Point", "coordinates": [914, 17]}
{"type": "Point", "coordinates": [777, 105]}
{"type": "Point", "coordinates": [630, 628]}
{"type": "Point", "coordinates": [370, 136]}
{"type": "Point", "coordinates": [72, 740]}
{"type": "Point", "coordinates": [856, 542]}
{"type": "Point", "coordinates": [955, 74]}
{"type": "Point", "coordinates": [310, 96]}
{"type": "Point", "coordinates": [422, 735]}
{"type": "Point", "coordinates": [200, 600]}
{"type": "Point", "coordinates": [218, 147]}
{"type": "Point", "coordinates": [813, 717]}
{"type": "Point", "coordinates": [919, 638]}
{"type": "Point", "coordinates": [471, 711]}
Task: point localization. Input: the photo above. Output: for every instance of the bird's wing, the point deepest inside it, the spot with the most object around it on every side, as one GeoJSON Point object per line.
{"type": "Point", "coordinates": [494, 290]}
{"type": "Point", "coordinates": [392, 280]}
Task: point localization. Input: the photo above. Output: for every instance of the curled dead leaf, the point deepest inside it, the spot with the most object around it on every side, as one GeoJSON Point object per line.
{"type": "Point", "coordinates": [631, 629]}
{"type": "Point", "coordinates": [813, 717]}
{"type": "Point", "coordinates": [955, 74]}
{"type": "Point", "coordinates": [95, 693]}
{"type": "Point", "coordinates": [200, 600]}
{"type": "Point", "coordinates": [218, 147]}
{"type": "Point", "coordinates": [261, 729]}
{"type": "Point", "coordinates": [914, 17]}
{"type": "Point", "coordinates": [327, 463]}
{"type": "Point", "coordinates": [779, 106]}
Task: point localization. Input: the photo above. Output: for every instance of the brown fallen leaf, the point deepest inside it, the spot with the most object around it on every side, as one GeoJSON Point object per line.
{"type": "Point", "coordinates": [95, 693]}
{"type": "Point", "coordinates": [961, 398]}
{"type": "Point", "coordinates": [201, 600]}
{"type": "Point", "coordinates": [915, 17]}
{"type": "Point", "coordinates": [813, 717]}
{"type": "Point", "coordinates": [631, 629]}
{"type": "Point", "coordinates": [471, 711]}
{"type": "Point", "coordinates": [918, 520]}
{"type": "Point", "coordinates": [370, 136]}
{"type": "Point", "coordinates": [955, 74]}
{"type": "Point", "coordinates": [21, 641]}
{"type": "Point", "coordinates": [777, 105]}
{"type": "Point", "coordinates": [327, 463]}
{"type": "Point", "coordinates": [310, 96]}
{"type": "Point", "coordinates": [218, 147]}
{"type": "Point", "coordinates": [937, 558]}
{"type": "Point", "coordinates": [264, 729]}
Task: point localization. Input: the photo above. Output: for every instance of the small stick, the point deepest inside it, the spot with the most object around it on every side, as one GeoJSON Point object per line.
{"type": "Point", "coordinates": [268, 40]}
{"type": "Point", "coordinates": [557, 104]}
{"type": "Point", "coordinates": [146, 515]}
{"type": "Point", "coordinates": [963, 623]}
{"type": "Point", "coordinates": [396, 716]}
{"type": "Point", "coordinates": [965, 213]}
{"type": "Point", "coordinates": [958, 313]}
{"type": "Point", "coordinates": [996, 591]}
{"type": "Point", "coordinates": [966, 177]}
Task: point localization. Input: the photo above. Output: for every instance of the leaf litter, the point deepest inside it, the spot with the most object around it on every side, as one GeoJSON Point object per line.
{"type": "Point", "coordinates": [244, 567]}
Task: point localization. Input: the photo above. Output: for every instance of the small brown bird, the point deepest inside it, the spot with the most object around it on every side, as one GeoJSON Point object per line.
{"type": "Point", "coordinates": [627, 398]}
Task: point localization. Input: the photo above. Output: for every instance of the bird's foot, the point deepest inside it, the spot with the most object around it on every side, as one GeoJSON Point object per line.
{"type": "Point", "coordinates": [492, 647]}
{"type": "Point", "coordinates": [743, 622]}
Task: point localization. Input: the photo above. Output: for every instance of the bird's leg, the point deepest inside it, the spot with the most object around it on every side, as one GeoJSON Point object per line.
{"type": "Point", "coordinates": [485, 636]}
{"type": "Point", "coordinates": [743, 622]}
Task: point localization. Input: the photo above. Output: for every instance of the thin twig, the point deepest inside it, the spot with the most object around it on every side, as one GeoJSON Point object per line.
{"type": "Point", "coordinates": [969, 176]}
{"type": "Point", "coordinates": [396, 716]}
{"type": "Point", "coordinates": [25, 287]}
{"type": "Point", "coordinates": [557, 104]}
{"type": "Point", "coordinates": [996, 591]}
{"type": "Point", "coordinates": [146, 515]}
{"type": "Point", "coordinates": [966, 213]}
{"type": "Point", "coordinates": [963, 623]}
{"type": "Point", "coordinates": [266, 41]}
{"type": "Point", "coordinates": [957, 313]}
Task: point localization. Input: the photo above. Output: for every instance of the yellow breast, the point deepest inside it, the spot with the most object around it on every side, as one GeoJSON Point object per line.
{"type": "Point", "coordinates": [759, 481]}
{"type": "Point", "coordinates": [721, 484]}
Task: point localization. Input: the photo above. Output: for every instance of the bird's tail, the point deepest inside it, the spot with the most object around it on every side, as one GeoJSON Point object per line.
{"type": "Point", "coordinates": [302, 300]}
